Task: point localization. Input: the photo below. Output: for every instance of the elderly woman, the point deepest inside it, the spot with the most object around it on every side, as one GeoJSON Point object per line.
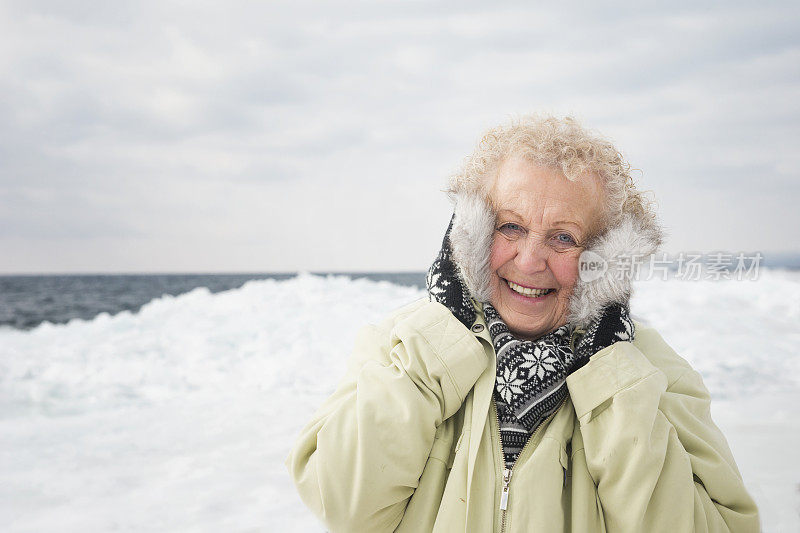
{"type": "Point", "coordinates": [521, 396]}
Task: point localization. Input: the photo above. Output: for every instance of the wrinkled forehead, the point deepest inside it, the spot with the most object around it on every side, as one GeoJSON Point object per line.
{"type": "Point", "coordinates": [545, 196]}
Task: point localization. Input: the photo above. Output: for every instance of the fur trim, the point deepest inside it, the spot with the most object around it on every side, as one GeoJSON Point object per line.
{"type": "Point", "coordinates": [620, 248]}
{"type": "Point", "coordinates": [471, 240]}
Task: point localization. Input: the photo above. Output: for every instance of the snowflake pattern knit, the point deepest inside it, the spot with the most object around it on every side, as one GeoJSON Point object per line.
{"type": "Point", "coordinates": [531, 375]}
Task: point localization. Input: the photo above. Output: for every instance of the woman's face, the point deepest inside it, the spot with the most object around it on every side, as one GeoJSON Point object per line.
{"type": "Point", "coordinates": [543, 222]}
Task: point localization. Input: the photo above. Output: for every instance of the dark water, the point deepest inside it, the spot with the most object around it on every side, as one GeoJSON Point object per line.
{"type": "Point", "coordinates": [27, 301]}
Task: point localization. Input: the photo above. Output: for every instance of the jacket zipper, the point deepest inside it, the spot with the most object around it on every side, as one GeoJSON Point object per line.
{"type": "Point", "coordinates": [508, 472]}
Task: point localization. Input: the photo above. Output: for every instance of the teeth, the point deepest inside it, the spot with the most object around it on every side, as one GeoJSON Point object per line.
{"type": "Point", "coordinates": [535, 293]}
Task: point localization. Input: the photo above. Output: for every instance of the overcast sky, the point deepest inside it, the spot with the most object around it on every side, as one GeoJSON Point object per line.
{"type": "Point", "coordinates": [276, 136]}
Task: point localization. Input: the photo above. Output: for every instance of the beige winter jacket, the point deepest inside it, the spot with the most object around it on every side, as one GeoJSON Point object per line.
{"type": "Point", "coordinates": [409, 441]}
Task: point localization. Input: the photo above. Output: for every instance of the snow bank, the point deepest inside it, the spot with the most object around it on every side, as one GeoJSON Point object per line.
{"type": "Point", "coordinates": [179, 417]}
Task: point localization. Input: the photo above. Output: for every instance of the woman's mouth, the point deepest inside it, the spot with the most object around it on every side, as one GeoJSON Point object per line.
{"type": "Point", "coordinates": [528, 292]}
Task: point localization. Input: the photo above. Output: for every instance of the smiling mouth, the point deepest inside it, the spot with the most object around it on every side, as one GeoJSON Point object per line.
{"type": "Point", "coordinates": [527, 291]}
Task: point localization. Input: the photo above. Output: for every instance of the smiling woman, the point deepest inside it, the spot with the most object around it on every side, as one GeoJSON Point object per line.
{"type": "Point", "coordinates": [518, 396]}
{"type": "Point", "coordinates": [543, 221]}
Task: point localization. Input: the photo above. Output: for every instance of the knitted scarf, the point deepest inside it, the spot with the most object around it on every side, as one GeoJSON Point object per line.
{"type": "Point", "coordinates": [531, 375]}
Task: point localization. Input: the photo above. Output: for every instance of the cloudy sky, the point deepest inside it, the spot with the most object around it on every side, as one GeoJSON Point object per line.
{"type": "Point", "coordinates": [274, 136]}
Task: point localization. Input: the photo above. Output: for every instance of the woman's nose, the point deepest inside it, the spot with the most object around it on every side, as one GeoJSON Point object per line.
{"type": "Point", "coordinates": [531, 256]}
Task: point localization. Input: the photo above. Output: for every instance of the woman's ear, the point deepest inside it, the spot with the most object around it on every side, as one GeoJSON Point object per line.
{"type": "Point", "coordinates": [607, 266]}
{"type": "Point", "coordinates": [471, 241]}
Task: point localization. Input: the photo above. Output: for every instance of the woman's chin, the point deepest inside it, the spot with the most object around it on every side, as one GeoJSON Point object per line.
{"type": "Point", "coordinates": [521, 325]}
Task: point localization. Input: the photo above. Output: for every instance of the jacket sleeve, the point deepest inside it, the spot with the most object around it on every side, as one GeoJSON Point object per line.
{"type": "Point", "coordinates": [359, 459]}
{"type": "Point", "coordinates": [656, 457]}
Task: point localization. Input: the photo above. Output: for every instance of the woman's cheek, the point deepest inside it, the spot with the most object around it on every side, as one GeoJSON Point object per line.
{"type": "Point", "coordinates": [565, 269]}
{"type": "Point", "coordinates": [501, 251]}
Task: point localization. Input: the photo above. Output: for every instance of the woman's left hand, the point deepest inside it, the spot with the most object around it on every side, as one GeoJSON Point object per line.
{"type": "Point", "coordinates": [613, 325]}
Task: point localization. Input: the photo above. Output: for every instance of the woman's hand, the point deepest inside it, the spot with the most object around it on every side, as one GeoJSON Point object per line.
{"type": "Point", "coordinates": [612, 325]}
{"type": "Point", "coordinates": [446, 286]}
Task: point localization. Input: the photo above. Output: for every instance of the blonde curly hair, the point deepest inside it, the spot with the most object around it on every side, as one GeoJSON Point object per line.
{"type": "Point", "coordinates": [629, 227]}
{"type": "Point", "coordinates": [558, 143]}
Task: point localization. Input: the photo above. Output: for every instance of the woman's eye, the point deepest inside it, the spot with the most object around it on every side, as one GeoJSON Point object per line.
{"type": "Point", "coordinates": [565, 238]}
{"type": "Point", "coordinates": [510, 227]}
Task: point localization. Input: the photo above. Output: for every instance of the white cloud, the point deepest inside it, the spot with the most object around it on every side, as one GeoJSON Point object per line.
{"type": "Point", "coordinates": [276, 136]}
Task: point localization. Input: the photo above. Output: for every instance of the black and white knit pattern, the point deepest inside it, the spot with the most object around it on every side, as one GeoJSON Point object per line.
{"type": "Point", "coordinates": [531, 380]}
{"type": "Point", "coordinates": [445, 284]}
{"type": "Point", "coordinates": [531, 375]}
{"type": "Point", "coordinates": [613, 325]}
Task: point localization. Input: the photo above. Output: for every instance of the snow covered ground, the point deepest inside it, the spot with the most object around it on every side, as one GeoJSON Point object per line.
{"type": "Point", "coordinates": [179, 417]}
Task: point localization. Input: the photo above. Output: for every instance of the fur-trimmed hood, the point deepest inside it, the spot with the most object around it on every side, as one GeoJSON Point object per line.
{"type": "Point", "coordinates": [605, 265]}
